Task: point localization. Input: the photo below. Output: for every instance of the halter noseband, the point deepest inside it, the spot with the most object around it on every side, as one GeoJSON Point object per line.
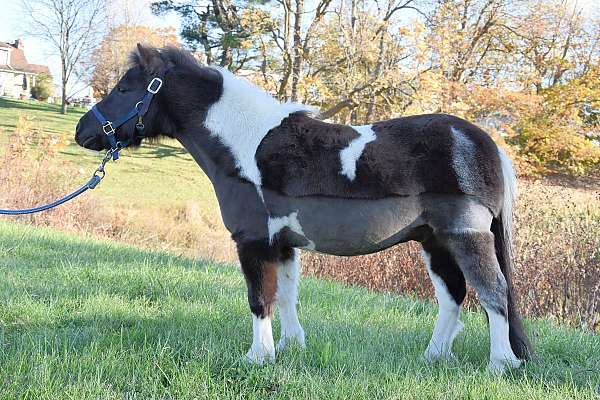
{"type": "Point", "coordinates": [140, 109]}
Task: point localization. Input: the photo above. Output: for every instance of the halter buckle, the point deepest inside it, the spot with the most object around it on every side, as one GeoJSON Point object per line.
{"type": "Point", "coordinates": [154, 89]}
{"type": "Point", "coordinates": [108, 128]}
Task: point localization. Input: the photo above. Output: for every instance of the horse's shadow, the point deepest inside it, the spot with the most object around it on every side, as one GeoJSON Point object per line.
{"type": "Point", "coordinates": [160, 150]}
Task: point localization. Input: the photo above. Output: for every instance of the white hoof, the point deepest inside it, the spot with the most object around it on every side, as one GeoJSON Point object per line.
{"type": "Point", "coordinates": [288, 339]}
{"type": "Point", "coordinates": [499, 365]}
{"type": "Point", "coordinates": [259, 355]}
{"type": "Point", "coordinates": [443, 351]}
{"type": "Point", "coordinates": [433, 356]}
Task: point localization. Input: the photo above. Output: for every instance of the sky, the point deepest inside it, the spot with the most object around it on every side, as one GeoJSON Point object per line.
{"type": "Point", "coordinates": [37, 52]}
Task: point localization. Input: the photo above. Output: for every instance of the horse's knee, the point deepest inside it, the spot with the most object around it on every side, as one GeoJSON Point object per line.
{"type": "Point", "coordinates": [475, 255]}
{"type": "Point", "coordinates": [259, 264]}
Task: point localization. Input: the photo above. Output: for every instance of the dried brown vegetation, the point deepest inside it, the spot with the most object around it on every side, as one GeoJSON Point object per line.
{"type": "Point", "coordinates": [29, 178]}
{"type": "Point", "coordinates": [557, 256]}
{"type": "Point", "coordinates": [31, 174]}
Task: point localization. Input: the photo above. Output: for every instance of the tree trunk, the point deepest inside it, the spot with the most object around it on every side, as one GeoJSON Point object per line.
{"type": "Point", "coordinates": [287, 59]}
{"type": "Point", "coordinates": [225, 57]}
{"type": "Point", "coordinates": [297, 63]}
{"type": "Point", "coordinates": [377, 72]}
{"type": "Point", "coordinates": [63, 102]}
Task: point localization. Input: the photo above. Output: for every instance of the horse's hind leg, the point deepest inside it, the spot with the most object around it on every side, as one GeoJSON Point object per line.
{"type": "Point", "coordinates": [450, 290]}
{"type": "Point", "coordinates": [475, 254]}
{"type": "Point", "coordinates": [288, 275]}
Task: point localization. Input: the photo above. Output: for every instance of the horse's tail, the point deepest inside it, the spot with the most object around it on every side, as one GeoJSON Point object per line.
{"type": "Point", "coordinates": [503, 230]}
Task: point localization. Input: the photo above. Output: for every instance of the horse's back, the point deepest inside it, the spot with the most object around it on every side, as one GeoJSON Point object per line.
{"type": "Point", "coordinates": [406, 156]}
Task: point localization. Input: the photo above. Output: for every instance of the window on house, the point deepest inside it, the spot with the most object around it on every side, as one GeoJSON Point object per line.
{"type": "Point", "coordinates": [24, 82]}
{"type": "Point", "coordinates": [3, 57]}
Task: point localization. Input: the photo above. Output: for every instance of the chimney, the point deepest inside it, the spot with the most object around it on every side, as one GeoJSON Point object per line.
{"type": "Point", "coordinates": [19, 44]}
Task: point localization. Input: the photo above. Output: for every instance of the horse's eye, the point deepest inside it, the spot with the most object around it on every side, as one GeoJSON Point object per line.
{"type": "Point", "coordinates": [121, 89]}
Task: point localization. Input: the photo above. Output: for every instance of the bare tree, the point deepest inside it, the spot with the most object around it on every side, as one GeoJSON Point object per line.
{"type": "Point", "coordinates": [72, 28]}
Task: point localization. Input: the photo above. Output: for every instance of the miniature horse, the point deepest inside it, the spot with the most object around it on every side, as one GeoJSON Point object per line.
{"type": "Point", "coordinates": [286, 181]}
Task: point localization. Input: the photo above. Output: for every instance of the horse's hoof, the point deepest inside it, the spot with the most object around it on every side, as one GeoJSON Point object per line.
{"type": "Point", "coordinates": [288, 340]}
{"type": "Point", "coordinates": [499, 366]}
{"type": "Point", "coordinates": [260, 356]}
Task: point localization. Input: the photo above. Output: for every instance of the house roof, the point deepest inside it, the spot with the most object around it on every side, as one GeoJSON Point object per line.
{"type": "Point", "coordinates": [18, 61]}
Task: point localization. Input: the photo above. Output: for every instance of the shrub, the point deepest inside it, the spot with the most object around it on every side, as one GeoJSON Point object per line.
{"type": "Point", "coordinates": [43, 87]}
{"type": "Point", "coordinates": [552, 145]}
{"type": "Point", "coordinates": [30, 175]}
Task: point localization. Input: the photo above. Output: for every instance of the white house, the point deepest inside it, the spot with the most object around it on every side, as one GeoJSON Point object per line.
{"type": "Point", "coordinates": [17, 75]}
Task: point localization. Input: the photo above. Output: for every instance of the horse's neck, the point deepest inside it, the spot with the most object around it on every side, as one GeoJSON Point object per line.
{"type": "Point", "coordinates": [233, 129]}
{"type": "Point", "coordinates": [196, 145]}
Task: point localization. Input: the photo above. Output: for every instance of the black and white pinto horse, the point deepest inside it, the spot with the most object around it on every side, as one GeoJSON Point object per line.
{"type": "Point", "coordinates": [286, 181]}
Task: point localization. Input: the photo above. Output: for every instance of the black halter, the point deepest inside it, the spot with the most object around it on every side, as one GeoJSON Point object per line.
{"type": "Point", "coordinates": [139, 110]}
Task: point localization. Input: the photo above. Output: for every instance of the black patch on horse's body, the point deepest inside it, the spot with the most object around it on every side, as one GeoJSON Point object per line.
{"type": "Point", "coordinates": [410, 156]}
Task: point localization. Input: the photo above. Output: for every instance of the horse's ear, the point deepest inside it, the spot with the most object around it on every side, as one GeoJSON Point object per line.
{"type": "Point", "coordinates": [149, 58]}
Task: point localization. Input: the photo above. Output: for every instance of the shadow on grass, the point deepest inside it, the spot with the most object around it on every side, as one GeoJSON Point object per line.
{"type": "Point", "coordinates": [35, 106]}
{"type": "Point", "coordinates": [159, 150]}
{"type": "Point", "coordinates": [146, 151]}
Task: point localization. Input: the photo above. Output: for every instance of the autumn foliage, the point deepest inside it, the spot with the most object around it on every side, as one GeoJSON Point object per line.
{"type": "Point", "coordinates": [526, 70]}
{"type": "Point", "coordinates": [111, 59]}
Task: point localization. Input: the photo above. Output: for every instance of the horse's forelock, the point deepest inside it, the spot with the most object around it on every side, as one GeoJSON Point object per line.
{"type": "Point", "coordinates": [170, 55]}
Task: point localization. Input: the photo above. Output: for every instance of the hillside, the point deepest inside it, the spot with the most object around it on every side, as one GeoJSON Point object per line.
{"type": "Point", "coordinates": [156, 197]}
{"type": "Point", "coordinates": [92, 319]}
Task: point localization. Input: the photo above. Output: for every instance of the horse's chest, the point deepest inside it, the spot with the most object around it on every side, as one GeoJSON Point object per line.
{"type": "Point", "coordinates": [341, 226]}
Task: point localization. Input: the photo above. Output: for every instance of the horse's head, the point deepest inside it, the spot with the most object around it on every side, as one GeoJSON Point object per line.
{"type": "Point", "coordinates": [187, 91]}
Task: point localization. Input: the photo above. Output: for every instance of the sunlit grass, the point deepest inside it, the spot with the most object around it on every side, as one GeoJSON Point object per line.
{"type": "Point", "coordinates": [88, 319]}
{"type": "Point", "coordinates": [152, 176]}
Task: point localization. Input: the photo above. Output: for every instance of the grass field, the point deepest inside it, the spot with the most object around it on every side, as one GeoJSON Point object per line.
{"type": "Point", "coordinates": [156, 191]}
{"type": "Point", "coordinates": [166, 173]}
{"type": "Point", "coordinates": [82, 318]}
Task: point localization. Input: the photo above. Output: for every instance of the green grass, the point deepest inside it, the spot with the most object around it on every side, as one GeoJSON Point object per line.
{"type": "Point", "coordinates": [82, 318]}
{"type": "Point", "coordinates": [44, 114]}
{"type": "Point", "coordinates": [154, 176]}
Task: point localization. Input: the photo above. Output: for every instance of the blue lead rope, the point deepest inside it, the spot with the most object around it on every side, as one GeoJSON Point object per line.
{"type": "Point", "coordinates": [96, 178]}
{"type": "Point", "coordinates": [109, 128]}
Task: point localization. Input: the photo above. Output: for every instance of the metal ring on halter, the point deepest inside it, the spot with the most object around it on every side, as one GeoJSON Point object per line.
{"type": "Point", "coordinates": [137, 104]}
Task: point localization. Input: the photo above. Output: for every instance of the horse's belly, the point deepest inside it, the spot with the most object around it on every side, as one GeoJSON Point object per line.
{"type": "Point", "coordinates": [342, 226]}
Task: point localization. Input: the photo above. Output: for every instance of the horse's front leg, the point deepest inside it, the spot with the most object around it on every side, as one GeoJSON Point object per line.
{"type": "Point", "coordinates": [259, 264]}
{"type": "Point", "coordinates": [288, 275]}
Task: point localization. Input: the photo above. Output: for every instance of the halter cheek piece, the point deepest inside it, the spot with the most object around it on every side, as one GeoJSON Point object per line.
{"type": "Point", "coordinates": [139, 110]}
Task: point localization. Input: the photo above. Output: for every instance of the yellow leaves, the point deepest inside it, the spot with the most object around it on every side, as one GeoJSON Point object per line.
{"type": "Point", "coordinates": [556, 144]}
{"type": "Point", "coordinates": [110, 60]}
{"type": "Point", "coordinates": [255, 20]}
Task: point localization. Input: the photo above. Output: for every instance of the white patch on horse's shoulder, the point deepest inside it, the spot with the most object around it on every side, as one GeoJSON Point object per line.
{"type": "Point", "coordinates": [463, 160]}
{"type": "Point", "coordinates": [350, 155]}
{"type": "Point", "coordinates": [241, 118]}
{"type": "Point", "coordinates": [276, 224]}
